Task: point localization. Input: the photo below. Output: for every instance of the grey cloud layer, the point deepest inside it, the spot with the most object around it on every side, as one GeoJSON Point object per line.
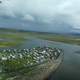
{"type": "Point", "coordinates": [43, 11]}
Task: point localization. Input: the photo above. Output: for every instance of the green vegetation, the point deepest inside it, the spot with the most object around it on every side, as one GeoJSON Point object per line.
{"type": "Point", "coordinates": [9, 37]}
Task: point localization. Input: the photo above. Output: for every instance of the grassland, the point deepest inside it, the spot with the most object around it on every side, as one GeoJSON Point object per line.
{"type": "Point", "coordinates": [13, 37]}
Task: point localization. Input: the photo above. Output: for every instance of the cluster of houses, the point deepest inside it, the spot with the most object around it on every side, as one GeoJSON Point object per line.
{"type": "Point", "coordinates": [13, 59]}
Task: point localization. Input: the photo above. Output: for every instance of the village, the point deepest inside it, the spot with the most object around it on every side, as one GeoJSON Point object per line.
{"type": "Point", "coordinates": [15, 59]}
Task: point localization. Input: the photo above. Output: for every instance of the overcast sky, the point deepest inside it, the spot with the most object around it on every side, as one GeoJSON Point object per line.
{"type": "Point", "coordinates": [41, 15]}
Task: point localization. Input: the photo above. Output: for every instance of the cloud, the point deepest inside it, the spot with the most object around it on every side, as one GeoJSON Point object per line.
{"type": "Point", "coordinates": [28, 17]}
{"type": "Point", "coordinates": [50, 12]}
{"type": "Point", "coordinates": [41, 8]}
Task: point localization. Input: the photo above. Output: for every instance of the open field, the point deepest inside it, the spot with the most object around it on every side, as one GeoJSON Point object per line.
{"type": "Point", "coordinates": [10, 39]}
{"type": "Point", "coordinates": [13, 37]}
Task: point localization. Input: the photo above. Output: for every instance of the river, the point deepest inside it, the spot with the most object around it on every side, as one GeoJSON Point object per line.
{"type": "Point", "coordinates": [70, 68]}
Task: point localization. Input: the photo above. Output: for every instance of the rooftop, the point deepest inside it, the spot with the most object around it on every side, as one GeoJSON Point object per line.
{"type": "Point", "coordinates": [13, 59]}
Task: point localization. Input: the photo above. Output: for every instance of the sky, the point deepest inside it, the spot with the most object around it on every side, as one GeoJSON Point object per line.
{"type": "Point", "coordinates": [41, 15]}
